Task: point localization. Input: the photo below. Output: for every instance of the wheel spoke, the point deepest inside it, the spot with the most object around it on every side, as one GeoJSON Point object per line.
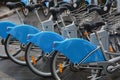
{"type": "Point", "coordinates": [17, 52]}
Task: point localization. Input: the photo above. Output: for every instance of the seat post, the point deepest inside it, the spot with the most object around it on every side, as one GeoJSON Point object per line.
{"type": "Point", "coordinates": [40, 21]}
{"type": "Point", "coordinates": [19, 16]}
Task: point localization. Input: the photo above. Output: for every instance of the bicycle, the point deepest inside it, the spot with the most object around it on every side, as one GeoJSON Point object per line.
{"type": "Point", "coordinates": [85, 57]}
{"type": "Point", "coordinates": [38, 51]}
{"type": "Point", "coordinates": [14, 39]}
{"type": "Point", "coordinates": [5, 24]}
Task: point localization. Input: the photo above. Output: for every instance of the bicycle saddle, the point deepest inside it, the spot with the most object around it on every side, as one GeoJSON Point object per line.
{"type": "Point", "coordinates": [67, 5]}
{"type": "Point", "coordinates": [89, 26]}
{"type": "Point", "coordinates": [56, 11]}
{"type": "Point", "coordinates": [92, 5]}
{"type": "Point", "coordinates": [13, 5]}
{"type": "Point", "coordinates": [31, 7]}
{"type": "Point", "coordinates": [71, 6]}
{"type": "Point", "coordinates": [101, 9]}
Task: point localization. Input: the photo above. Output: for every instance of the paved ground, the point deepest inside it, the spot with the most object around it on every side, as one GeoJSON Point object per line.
{"type": "Point", "coordinates": [12, 71]}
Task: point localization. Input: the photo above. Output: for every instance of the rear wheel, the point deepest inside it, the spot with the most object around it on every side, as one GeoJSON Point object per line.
{"type": "Point", "coordinates": [15, 50]}
{"type": "Point", "coordinates": [62, 69]}
{"type": "Point", "coordinates": [37, 61]}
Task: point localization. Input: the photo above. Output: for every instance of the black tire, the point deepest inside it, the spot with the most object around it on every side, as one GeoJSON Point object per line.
{"type": "Point", "coordinates": [14, 50]}
{"type": "Point", "coordinates": [68, 71]}
{"type": "Point", "coordinates": [2, 53]}
{"type": "Point", "coordinates": [54, 70]}
{"type": "Point", "coordinates": [36, 61]}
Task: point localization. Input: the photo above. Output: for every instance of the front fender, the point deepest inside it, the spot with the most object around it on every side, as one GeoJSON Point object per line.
{"type": "Point", "coordinates": [76, 49]}
{"type": "Point", "coordinates": [20, 32]}
{"type": "Point", "coordinates": [3, 28]}
{"type": "Point", "coordinates": [45, 40]}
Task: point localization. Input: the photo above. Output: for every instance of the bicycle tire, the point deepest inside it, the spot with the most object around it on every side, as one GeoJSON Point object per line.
{"type": "Point", "coordinates": [68, 72]}
{"type": "Point", "coordinates": [41, 66]}
{"type": "Point", "coordinates": [14, 49]}
{"type": "Point", "coordinates": [3, 55]}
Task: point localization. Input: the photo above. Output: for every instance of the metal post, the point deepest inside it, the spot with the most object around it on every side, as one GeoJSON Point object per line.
{"type": "Point", "coordinates": [19, 16]}
{"type": "Point", "coordinates": [36, 12]}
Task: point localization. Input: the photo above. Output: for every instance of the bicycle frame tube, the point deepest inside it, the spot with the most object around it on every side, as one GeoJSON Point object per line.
{"type": "Point", "coordinates": [89, 54]}
{"type": "Point", "coordinates": [19, 16]}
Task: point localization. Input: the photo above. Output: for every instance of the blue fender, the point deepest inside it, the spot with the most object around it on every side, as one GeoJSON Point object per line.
{"type": "Point", "coordinates": [25, 2]}
{"type": "Point", "coordinates": [88, 1]}
{"type": "Point", "coordinates": [76, 49]}
{"type": "Point", "coordinates": [44, 40]}
{"type": "Point", "coordinates": [20, 32]}
{"type": "Point", "coordinates": [3, 28]}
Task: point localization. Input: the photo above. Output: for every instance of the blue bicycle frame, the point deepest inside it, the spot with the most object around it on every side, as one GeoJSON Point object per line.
{"type": "Point", "coordinates": [88, 1]}
{"type": "Point", "coordinates": [26, 2]}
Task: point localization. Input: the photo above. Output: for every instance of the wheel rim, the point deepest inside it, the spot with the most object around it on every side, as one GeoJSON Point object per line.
{"type": "Point", "coordinates": [55, 71]}
{"type": "Point", "coordinates": [67, 73]}
{"type": "Point", "coordinates": [41, 66]}
{"type": "Point", "coordinates": [14, 50]}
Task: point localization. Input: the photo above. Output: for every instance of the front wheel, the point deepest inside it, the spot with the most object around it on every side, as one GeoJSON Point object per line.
{"type": "Point", "coordinates": [15, 50]}
{"type": "Point", "coordinates": [37, 61]}
{"type": "Point", "coordinates": [62, 68]}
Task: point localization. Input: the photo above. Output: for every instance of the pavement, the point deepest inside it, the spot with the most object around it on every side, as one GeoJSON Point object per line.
{"type": "Point", "coordinates": [12, 71]}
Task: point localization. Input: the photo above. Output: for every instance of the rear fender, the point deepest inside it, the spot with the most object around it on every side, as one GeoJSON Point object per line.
{"type": "Point", "coordinates": [3, 28]}
{"type": "Point", "coordinates": [20, 32]}
{"type": "Point", "coordinates": [44, 40]}
{"type": "Point", "coordinates": [77, 49]}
